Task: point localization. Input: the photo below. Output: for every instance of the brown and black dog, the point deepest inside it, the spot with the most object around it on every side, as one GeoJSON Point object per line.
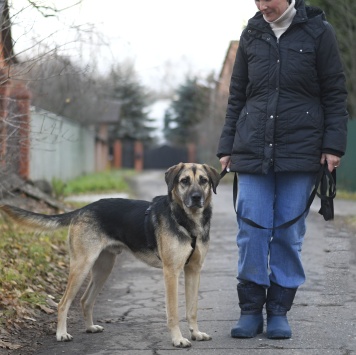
{"type": "Point", "coordinates": [171, 232]}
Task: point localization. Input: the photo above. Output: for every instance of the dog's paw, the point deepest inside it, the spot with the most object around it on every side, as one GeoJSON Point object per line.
{"type": "Point", "coordinates": [200, 336]}
{"type": "Point", "coordinates": [64, 337]}
{"type": "Point", "coordinates": [181, 343]}
{"type": "Point", "coordinates": [95, 329]}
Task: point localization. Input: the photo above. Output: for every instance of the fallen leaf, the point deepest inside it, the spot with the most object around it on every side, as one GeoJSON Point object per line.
{"type": "Point", "coordinates": [54, 247]}
{"type": "Point", "coordinates": [45, 309]}
{"type": "Point", "coordinates": [10, 346]}
{"type": "Point", "coordinates": [29, 318]}
{"type": "Point", "coordinates": [51, 303]}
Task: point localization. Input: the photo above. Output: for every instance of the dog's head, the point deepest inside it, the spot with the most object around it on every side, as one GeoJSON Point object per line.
{"type": "Point", "coordinates": [192, 183]}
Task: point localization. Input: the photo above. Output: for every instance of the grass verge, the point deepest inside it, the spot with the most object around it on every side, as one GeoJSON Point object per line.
{"type": "Point", "coordinates": [32, 269]}
{"type": "Point", "coordinates": [34, 266]}
{"type": "Point", "coordinates": [108, 181]}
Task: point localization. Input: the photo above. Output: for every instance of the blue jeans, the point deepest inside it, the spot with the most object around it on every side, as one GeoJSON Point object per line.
{"type": "Point", "coordinates": [270, 200]}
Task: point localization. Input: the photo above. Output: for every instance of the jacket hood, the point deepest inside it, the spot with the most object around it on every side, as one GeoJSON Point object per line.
{"type": "Point", "coordinates": [313, 11]}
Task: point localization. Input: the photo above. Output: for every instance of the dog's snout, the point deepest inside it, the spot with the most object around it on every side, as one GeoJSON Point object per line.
{"type": "Point", "coordinates": [195, 199]}
{"type": "Point", "coordinates": [196, 196]}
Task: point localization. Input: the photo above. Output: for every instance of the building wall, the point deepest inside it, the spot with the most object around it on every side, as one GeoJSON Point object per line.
{"type": "Point", "coordinates": [226, 70]}
{"type": "Point", "coordinates": [210, 129]}
{"type": "Point", "coordinates": [59, 148]}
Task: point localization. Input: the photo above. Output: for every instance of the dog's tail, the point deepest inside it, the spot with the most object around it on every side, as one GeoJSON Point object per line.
{"type": "Point", "coordinates": [37, 221]}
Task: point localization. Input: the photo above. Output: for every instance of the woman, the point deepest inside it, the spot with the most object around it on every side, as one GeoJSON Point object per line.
{"type": "Point", "coordinates": [286, 115]}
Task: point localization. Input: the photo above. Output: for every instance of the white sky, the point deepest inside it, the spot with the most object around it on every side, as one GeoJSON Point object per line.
{"type": "Point", "coordinates": [185, 35]}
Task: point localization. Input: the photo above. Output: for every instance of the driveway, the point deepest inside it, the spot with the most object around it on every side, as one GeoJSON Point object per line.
{"type": "Point", "coordinates": [131, 306]}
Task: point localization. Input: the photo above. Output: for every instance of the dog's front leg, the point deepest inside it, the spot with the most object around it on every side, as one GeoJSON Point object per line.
{"type": "Point", "coordinates": [171, 284]}
{"type": "Point", "coordinates": [192, 281]}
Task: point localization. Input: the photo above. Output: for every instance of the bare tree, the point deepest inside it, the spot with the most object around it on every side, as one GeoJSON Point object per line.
{"type": "Point", "coordinates": [59, 86]}
{"type": "Point", "coordinates": [33, 48]}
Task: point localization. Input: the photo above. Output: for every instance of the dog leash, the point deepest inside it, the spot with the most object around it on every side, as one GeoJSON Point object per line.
{"type": "Point", "coordinates": [327, 183]}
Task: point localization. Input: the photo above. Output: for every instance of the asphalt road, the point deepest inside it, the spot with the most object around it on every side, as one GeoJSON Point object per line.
{"type": "Point", "coordinates": [131, 306]}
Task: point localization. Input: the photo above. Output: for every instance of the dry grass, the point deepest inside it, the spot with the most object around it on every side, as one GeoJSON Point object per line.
{"type": "Point", "coordinates": [33, 272]}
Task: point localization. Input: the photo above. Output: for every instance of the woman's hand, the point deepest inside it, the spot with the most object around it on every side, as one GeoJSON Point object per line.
{"type": "Point", "coordinates": [332, 160]}
{"type": "Point", "coordinates": [225, 162]}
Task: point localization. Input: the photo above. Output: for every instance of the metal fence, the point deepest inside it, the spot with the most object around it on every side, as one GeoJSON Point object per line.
{"type": "Point", "coordinates": [346, 174]}
{"type": "Point", "coordinates": [59, 148]}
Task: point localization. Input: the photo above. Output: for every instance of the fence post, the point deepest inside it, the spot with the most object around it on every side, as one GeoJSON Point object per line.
{"type": "Point", "coordinates": [22, 97]}
{"type": "Point", "coordinates": [117, 154]}
{"type": "Point", "coordinates": [191, 152]}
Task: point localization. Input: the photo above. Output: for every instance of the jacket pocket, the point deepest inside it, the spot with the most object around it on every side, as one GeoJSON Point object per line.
{"type": "Point", "coordinates": [249, 134]}
{"type": "Point", "coordinates": [305, 132]}
{"type": "Point", "coordinates": [301, 58]}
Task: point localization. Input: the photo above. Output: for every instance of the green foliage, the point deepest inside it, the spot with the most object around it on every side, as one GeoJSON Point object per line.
{"type": "Point", "coordinates": [134, 99]}
{"type": "Point", "coordinates": [58, 187]}
{"type": "Point", "coordinates": [113, 180]}
{"type": "Point", "coordinates": [185, 113]}
{"type": "Point", "coordinates": [346, 195]}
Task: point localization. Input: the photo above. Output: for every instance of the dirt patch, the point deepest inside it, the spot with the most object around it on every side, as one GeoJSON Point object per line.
{"type": "Point", "coordinates": [26, 338]}
{"type": "Point", "coordinates": [33, 335]}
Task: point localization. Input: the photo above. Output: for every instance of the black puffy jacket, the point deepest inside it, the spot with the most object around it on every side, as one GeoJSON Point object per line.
{"type": "Point", "coordinates": [287, 102]}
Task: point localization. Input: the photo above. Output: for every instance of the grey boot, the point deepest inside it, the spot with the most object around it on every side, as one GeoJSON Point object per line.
{"type": "Point", "coordinates": [279, 302]}
{"type": "Point", "coordinates": [252, 297]}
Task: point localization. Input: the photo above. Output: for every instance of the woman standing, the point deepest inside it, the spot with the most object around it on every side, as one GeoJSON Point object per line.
{"type": "Point", "coordinates": [286, 115]}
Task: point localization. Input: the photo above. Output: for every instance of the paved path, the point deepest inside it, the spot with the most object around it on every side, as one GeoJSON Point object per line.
{"type": "Point", "coordinates": [131, 306]}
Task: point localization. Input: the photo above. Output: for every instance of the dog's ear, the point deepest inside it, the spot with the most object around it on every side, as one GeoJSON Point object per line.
{"type": "Point", "coordinates": [214, 176]}
{"type": "Point", "coordinates": [171, 175]}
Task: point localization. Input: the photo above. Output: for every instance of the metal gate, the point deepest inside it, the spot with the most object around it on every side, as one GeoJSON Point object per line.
{"type": "Point", "coordinates": [128, 154]}
{"type": "Point", "coordinates": [163, 157]}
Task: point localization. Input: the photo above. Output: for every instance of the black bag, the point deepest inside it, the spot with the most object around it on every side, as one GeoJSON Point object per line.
{"type": "Point", "coordinates": [326, 194]}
